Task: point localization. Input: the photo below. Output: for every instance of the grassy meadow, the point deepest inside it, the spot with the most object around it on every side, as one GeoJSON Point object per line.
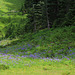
{"type": "Point", "coordinates": [43, 53]}
{"type": "Point", "coordinates": [25, 66]}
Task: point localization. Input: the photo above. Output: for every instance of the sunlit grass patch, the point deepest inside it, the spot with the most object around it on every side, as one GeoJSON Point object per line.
{"type": "Point", "coordinates": [41, 66]}
{"type": "Point", "coordinates": [7, 42]}
{"type": "Point", "coordinates": [7, 5]}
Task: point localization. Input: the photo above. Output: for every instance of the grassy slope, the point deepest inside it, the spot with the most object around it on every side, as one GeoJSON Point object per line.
{"type": "Point", "coordinates": [59, 40]}
{"type": "Point", "coordinates": [53, 39]}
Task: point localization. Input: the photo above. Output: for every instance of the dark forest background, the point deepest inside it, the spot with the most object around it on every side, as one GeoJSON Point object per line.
{"type": "Point", "coordinates": [41, 14]}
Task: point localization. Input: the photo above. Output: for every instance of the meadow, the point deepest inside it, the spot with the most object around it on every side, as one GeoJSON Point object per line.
{"type": "Point", "coordinates": [45, 66]}
{"type": "Point", "coordinates": [44, 52]}
{"type": "Point", "coordinates": [38, 54]}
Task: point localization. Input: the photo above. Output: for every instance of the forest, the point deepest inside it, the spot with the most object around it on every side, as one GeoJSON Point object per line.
{"type": "Point", "coordinates": [37, 37]}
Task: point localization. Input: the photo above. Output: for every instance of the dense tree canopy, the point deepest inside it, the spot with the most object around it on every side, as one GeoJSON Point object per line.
{"type": "Point", "coordinates": [43, 14]}
{"type": "Point", "coordinates": [57, 13]}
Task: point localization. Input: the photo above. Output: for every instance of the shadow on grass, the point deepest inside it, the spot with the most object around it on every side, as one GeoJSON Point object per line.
{"type": "Point", "coordinates": [3, 67]}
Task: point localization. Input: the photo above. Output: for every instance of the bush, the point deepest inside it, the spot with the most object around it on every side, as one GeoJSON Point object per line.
{"type": "Point", "coordinates": [3, 67]}
{"type": "Point", "coordinates": [73, 29]}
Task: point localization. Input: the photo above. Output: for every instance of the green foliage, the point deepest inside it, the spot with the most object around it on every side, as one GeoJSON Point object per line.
{"type": "Point", "coordinates": [51, 41]}
{"type": "Point", "coordinates": [28, 21]}
{"type": "Point", "coordinates": [15, 25]}
{"type": "Point", "coordinates": [73, 29]}
{"type": "Point", "coordinates": [7, 5]}
{"type": "Point", "coordinates": [3, 67]}
{"type": "Point", "coordinates": [60, 12]}
{"type": "Point", "coordinates": [32, 16]}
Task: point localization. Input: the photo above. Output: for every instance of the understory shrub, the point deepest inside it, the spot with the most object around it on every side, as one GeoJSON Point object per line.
{"type": "Point", "coordinates": [3, 67]}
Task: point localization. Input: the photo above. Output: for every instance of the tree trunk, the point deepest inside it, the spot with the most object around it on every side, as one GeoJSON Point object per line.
{"type": "Point", "coordinates": [34, 19]}
{"type": "Point", "coordinates": [47, 16]}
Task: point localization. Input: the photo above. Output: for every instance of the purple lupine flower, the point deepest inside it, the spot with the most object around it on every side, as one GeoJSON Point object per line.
{"type": "Point", "coordinates": [17, 56]}
{"type": "Point", "coordinates": [22, 48]}
{"type": "Point", "coordinates": [51, 59]}
{"type": "Point", "coordinates": [73, 53]}
{"type": "Point", "coordinates": [67, 58]}
{"type": "Point", "coordinates": [37, 46]}
{"type": "Point", "coordinates": [29, 45]}
{"type": "Point", "coordinates": [31, 55]}
{"type": "Point", "coordinates": [70, 50]}
{"type": "Point", "coordinates": [47, 58]}
{"type": "Point", "coordinates": [22, 56]}
{"type": "Point", "coordinates": [11, 57]}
